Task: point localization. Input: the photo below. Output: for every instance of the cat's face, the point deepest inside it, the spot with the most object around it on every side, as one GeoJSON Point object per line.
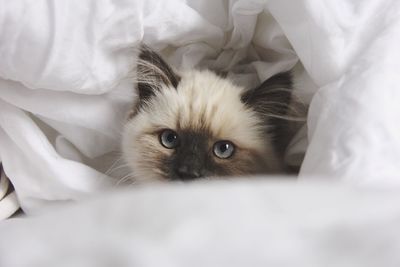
{"type": "Point", "coordinates": [194, 124]}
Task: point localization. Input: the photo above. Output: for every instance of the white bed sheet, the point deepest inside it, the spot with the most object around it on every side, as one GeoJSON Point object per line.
{"type": "Point", "coordinates": [64, 87]}
{"type": "Point", "coordinates": [349, 48]}
{"type": "Point", "coordinates": [220, 224]}
{"type": "Point", "coordinates": [64, 92]}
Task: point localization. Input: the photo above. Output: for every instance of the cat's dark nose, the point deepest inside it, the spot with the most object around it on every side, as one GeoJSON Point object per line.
{"type": "Point", "coordinates": [186, 173]}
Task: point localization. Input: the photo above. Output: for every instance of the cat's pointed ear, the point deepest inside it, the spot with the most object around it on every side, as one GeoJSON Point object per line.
{"type": "Point", "coordinates": [271, 98]}
{"type": "Point", "coordinates": [272, 102]}
{"type": "Point", "coordinates": [153, 73]}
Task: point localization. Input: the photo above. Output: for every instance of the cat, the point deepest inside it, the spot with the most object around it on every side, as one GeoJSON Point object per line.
{"type": "Point", "coordinates": [192, 124]}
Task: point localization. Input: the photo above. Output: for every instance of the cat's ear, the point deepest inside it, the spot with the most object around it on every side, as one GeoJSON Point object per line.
{"type": "Point", "coordinates": [153, 73]}
{"type": "Point", "coordinates": [272, 102]}
{"type": "Point", "coordinates": [272, 97]}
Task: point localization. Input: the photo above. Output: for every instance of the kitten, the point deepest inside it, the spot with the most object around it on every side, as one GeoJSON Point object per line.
{"type": "Point", "coordinates": [192, 124]}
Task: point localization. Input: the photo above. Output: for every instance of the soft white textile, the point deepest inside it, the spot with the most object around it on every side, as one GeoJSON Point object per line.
{"type": "Point", "coordinates": [350, 49]}
{"type": "Point", "coordinates": [67, 63]}
{"type": "Point", "coordinates": [64, 87]}
{"type": "Point", "coordinates": [8, 200]}
{"type": "Point", "coordinates": [229, 224]}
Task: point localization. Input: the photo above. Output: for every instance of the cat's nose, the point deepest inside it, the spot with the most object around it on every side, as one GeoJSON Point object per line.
{"type": "Point", "coordinates": [186, 173]}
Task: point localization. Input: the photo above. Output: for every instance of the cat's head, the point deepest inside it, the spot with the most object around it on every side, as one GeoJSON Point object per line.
{"type": "Point", "coordinates": [191, 124]}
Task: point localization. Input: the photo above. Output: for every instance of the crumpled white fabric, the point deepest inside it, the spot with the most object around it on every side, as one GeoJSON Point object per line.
{"type": "Point", "coordinates": [224, 224]}
{"type": "Point", "coordinates": [8, 199]}
{"type": "Point", "coordinates": [65, 87]}
{"type": "Point", "coordinates": [349, 48]}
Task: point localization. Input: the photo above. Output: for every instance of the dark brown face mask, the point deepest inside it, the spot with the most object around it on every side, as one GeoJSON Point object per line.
{"type": "Point", "coordinates": [191, 158]}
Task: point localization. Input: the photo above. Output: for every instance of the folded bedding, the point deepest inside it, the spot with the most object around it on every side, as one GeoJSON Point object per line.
{"type": "Point", "coordinates": [66, 85]}
{"type": "Point", "coordinates": [229, 223]}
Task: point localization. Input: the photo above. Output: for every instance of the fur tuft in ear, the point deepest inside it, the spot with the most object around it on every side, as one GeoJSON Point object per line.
{"type": "Point", "coordinates": [152, 74]}
{"type": "Point", "coordinates": [272, 102]}
{"type": "Point", "coordinates": [272, 97]}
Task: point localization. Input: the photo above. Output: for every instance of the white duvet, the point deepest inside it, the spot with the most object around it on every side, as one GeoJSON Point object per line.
{"type": "Point", "coordinates": [229, 224]}
{"type": "Point", "coordinates": [64, 88]}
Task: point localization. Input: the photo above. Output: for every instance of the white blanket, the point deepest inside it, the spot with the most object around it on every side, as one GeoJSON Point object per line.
{"type": "Point", "coordinates": [64, 88]}
{"type": "Point", "coordinates": [64, 92]}
{"type": "Point", "coordinates": [230, 224]}
{"type": "Point", "coordinates": [350, 49]}
{"type": "Point", "coordinates": [63, 79]}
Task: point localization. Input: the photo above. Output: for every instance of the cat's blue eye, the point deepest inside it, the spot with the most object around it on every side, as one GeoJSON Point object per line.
{"type": "Point", "coordinates": [169, 139]}
{"type": "Point", "coordinates": [223, 149]}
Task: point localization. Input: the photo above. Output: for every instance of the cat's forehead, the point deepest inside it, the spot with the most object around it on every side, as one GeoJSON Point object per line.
{"type": "Point", "coordinates": [205, 102]}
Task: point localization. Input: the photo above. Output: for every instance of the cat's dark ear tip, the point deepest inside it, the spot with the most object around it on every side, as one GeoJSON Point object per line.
{"type": "Point", "coordinates": [267, 89]}
{"type": "Point", "coordinates": [145, 52]}
{"type": "Point", "coordinates": [285, 79]}
{"type": "Point", "coordinates": [152, 73]}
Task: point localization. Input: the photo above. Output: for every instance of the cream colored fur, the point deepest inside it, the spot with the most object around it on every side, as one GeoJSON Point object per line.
{"type": "Point", "coordinates": [202, 101]}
